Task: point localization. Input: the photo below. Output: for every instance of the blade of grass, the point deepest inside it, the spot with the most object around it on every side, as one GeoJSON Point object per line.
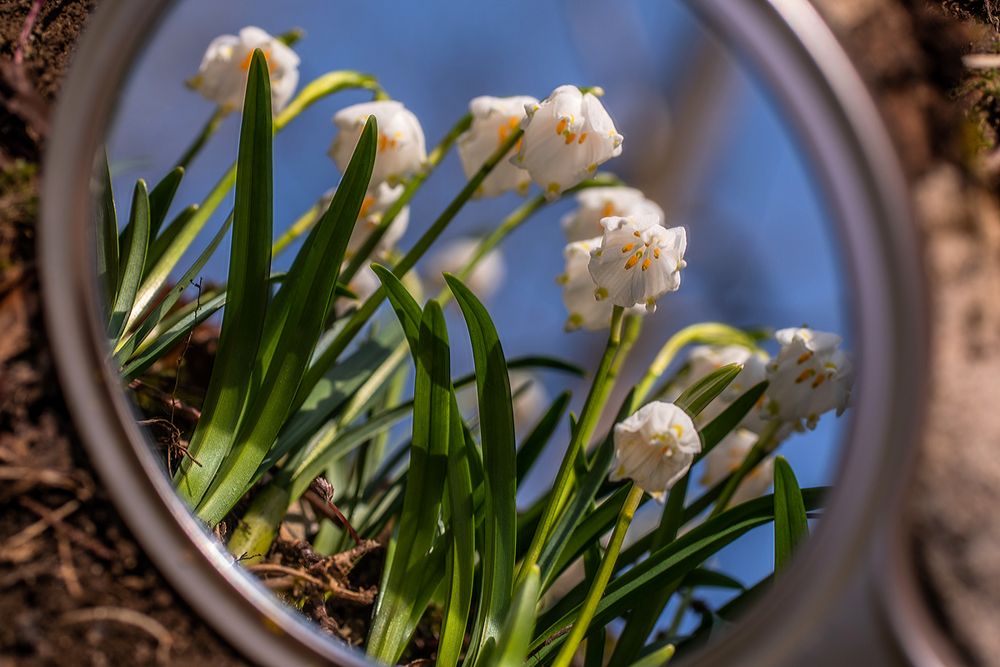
{"type": "Point", "coordinates": [696, 398]}
{"type": "Point", "coordinates": [790, 523]}
{"type": "Point", "coordinates": [246, 302]}
{"type": "Point", "coordinates": [294, 324]}
{"type": "Point", "coordinates": [515, 635]}
{"type": "Point", "coordinates": [161, 197]}
{"type": "Point", "coordinates": [136, 243]}
{"type": "Point", "coordinates": [107, 233]}
{"type": "Point", "coordinates": [499, 459]}
{"type": "Point", "coordinates": [533, 445]}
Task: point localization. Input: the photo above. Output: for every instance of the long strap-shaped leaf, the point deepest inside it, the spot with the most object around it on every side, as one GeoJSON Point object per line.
{"type": "Point", "coordinates": [246, 302]}
{"type": "Point", "coordinates": [395, 614]}
{"type": "Point", "coordinates": [161, 197]}
{"type": "Point", "coordinates": [107, 233]}
{"type": "Point", "coordinates": [790, 523]}
{"type": "Point", "coordinates": [500, 468]}
{"type": "Point", "coordinates": [293, 327]}
{"type": "Point", "coordinates": [515, 636]}
{"type": "Point", "coordinates": [136, 243]}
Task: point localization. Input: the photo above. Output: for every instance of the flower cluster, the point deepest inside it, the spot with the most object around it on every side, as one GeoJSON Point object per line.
{"type": "Point", "coordinates": [811, 375]}
{"type": "Point", "coordinates": [222, 75]}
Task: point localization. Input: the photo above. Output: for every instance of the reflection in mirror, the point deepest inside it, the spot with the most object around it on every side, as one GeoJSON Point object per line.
{"type": "Point", "coordinates": [503, 379]}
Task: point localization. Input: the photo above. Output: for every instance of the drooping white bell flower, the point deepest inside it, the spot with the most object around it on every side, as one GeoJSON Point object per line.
{"type": "Point", "coordinates": [595, 204]}
{"type": "Point", "coordinates": [452, 256]}
{"type": "Point", "coordinates": [493, 120]}
{"type": "Point", "coordinates": [809, 376]}
{"type": "Point", "coordinates": [578, 289]}
{"type": "Point", "coordinates": [639, 260]}
{"type": "Point", "coordinates": [566, 137]}
{"type": "Point", "coordinates": [704, 359]}
{"type": "Point", "coordinates": [222, 75]}
{"type": "Point", "coordinates": [655, 447]}
{"type": "Point", "coordinates": [401, 147]}
{"type": "Point", "coordinates": [727, 456]}
{"type": "Point", "coordinates": [376, 202]}
{"type": "Point", "coordinates": [363, 284]}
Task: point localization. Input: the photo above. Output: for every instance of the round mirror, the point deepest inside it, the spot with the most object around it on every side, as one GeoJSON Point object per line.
{"type": "Point", "coordinates": [555, 345]}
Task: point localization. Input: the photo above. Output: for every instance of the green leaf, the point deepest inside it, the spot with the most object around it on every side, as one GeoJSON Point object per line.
{"type": "Point", "coordinates": [155, 316]}
{"type": "Point", "coordinates": [696, 398]}
{"type": "Point", "coordinates": [462, 560]}
{"type": "Point", "coordinates": [706, 578]}
{"type": "Point", "coordinates": [161, 243]}
{"type": "Point", "coordinates": [727, 420]}
{"type": "Point", "coordinates": [396, 613]}
{"type": "Point", "coordinates": [107, 234]}
{"type": "Point", "coordinates": [534, 444]}
{"type": "Point", "coordinates": [500, 468]}
{"type": "Point", "coordinates": [405, 306]}
{"type": "Point", "coordinates": [246, 303]}
{"type": "Point", "coordinates": [656, 658]}
{"type": "Point", "coordinates": [515, 635]}
{"type": "Point", "coordinates": [136, 243]}
{"type": "Point", "coordinates": [790, 523]}
{"type": "Point", "coordinates": [161, 197]}
{"type": "Point", "coordinates": [294, 324]}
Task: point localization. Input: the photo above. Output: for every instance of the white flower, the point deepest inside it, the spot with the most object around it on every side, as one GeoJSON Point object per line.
{"type": "Point", "coordinates": [638, 261]}
{"type": "Point", "coordinates": [373, 206]}
{"type": "Point", "coordinates": [493, 120]}
{"type": "Point", "coordinates": [578, 289]}
{"type": "Point", "coordinates": [363, 284]}
{"type": "Point", "coordinates": [566, 137]}
{"type": "Point", "coordinates": [452, 257]}
{"type": "Point", "coordinates": [598, 203]}
{"type": "Point", "coordinates": [222, 75]}
{"type": "Point", "coordinates": [809, 376]}
{"type": "Point", "coordinates": [401, 148]}
{"type": "Point", "coordinates": [704, 359]}
{"type": "Point", "coordinates": [655, 447]}
{"type": "Point", "coordinates": [727, 456]}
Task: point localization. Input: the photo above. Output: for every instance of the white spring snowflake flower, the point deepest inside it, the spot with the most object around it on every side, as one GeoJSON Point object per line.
{"type": "Point", "coordinates": [727, 456]}
{"type": "Point", "coordinates": [595, 204]}
{"type": "Point", "coordinates": [704, 359]}
{"type": "Point", "coordinates": [401, 149]}
{"type": "Point", "coordinates": [638, 261]}
{"type": "Point", "coordinates": [566, 137]}
{"type": "Point", "coordinates": [376, 202]}
{"type": "Point", "coordinates": [222, 75]}
{"type": "Point", "coordinates": [453, 255]}
{"type": "Point", "coordinates": [363, 284]}
{"type": "Point", "coordinates": [655, 447]}
{"type": "Point", "coordinates": [493, 121]}
{"type": "Point", "coordinates": [578, 289]}
{"type": "Point", "coordinates": [809, 376]}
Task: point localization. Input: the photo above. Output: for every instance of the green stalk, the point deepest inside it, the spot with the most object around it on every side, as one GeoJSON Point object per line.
{"type": "Point", "coordinates": [368, 308]}
{"type": "Point", "coordinates": [301, 225]}
{"type": "Point", "coordinates": [766, 443]}
{"type": "Point", "coordinates": [159, 273]}
{"type": "Point", "coordinates": [589, 416]}
{"type": "Point", "coordinates": [589, 608]}
{"type": "Point", "coordinates": [211, 125]}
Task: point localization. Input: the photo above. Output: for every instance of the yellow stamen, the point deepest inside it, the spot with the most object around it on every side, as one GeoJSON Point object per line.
{"type": "Point", "coordinates": [245, 65]}
{"type": "Point", "coordinates": [608, 210]}
{"type": "Point", "coordinates": [366, 205]}
{"type": "Point", "coordinates": [646, 263]}
{"type": "Point", "coordinates": [656, 253]}
{"type": "Point", "coordinates": [820, 379]}
{"type": "Point", "coordinates": [678, 429]}
{"type": "Point", "coordinates": [805, 375]}
{"type": "Point", "coordinates": [637, 234]}
{"type": "Point", "coordinates": [553, 188]}
{"type": "Point", "coordinates": [583, 137]}
{"type": "Point", "coordinates": [627, 247]}
{"type": "Point", "coordinates": [591, 168]}
{"type": "Point", "coordinates": [633, 260]}
{"type": "Point", "coordinates": [570, 137]}
{"type": "Point", "coordinates": [561, 126]}
{"type": "Point", "coordinates": [504, 130]}
{"type": "Point", "coordinates": [804, 357]}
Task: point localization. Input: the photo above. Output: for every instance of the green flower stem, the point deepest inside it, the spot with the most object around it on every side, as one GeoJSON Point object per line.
{"type": "Point", "coordinates": [682, 607]}
{"type": "Point", "coordinates": [766, 443]}
{"type": "Point", "coordinates": [711, 333]}
{"type": "Point", "coordinates": [600, 582]}
{"type": "Point", "coordinates": [159, 273]}
{"type": "Point", "coordinates": [301, 225]}
{"type": "Point", "coordinates": [368, 308]}
{"type": "Point", "coordinates": [589, 416]}
{"type": "Point", "coordinates": [199, 142]}
{"type": "Point", "coordinates": [412, 185]}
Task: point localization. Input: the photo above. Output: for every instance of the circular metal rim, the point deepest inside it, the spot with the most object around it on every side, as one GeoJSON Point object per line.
{"type": "Point", "coordinates": [837, 123]}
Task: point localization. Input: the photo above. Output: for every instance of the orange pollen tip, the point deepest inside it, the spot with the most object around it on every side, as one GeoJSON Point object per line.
{"type": "Point", "coordinates": [633, 260]}
{"type": "Point", "coordinates": [583, 137]}
{"type": "Point", "coordinates": [646, 263]}
{"type": "Point", "coordinates": [804, 357]}
{"type": "Point", "coordinates": [637, 235]}
{"type": "Point", "coordinates": [366, 205]}
{"type": "Point", "coordinates": [561, 126]}
{"type": "Point", "coordinates": [627, 247]}
{"type": "Point", "coordinates": [656, 253]}
{"type": "Point", "coordinates": [818, 381]}
{"type": "Point", "coordinates": [805, 375]}
{"type": "Point", "coordinates": [608, 210]}
{"type": "Point", "coordinates": [570, 137]}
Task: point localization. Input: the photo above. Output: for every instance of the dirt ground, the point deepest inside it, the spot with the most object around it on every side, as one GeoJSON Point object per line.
{"type": "Point", "coordinates": [74, 583]}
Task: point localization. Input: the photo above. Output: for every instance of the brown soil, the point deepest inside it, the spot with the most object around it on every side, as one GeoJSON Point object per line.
{"type": "Point", "coordinates": [75, 588]}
